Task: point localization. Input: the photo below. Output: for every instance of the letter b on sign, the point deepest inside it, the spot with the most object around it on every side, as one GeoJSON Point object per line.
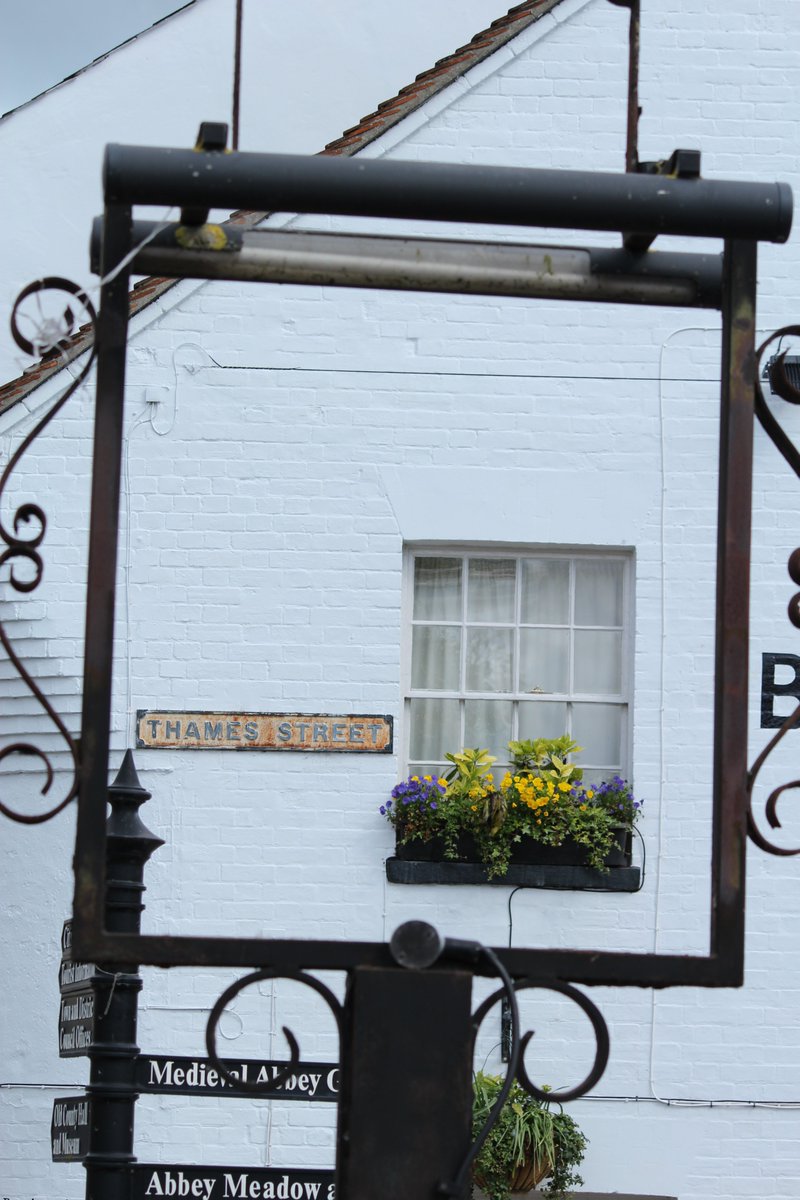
{"type": "Point", "coordinates": [770, 689]}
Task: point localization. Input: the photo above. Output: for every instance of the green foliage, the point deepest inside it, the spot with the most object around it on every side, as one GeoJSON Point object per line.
{"type": "Point", "coordinates": [546, 755]}
{"type": "Point", "coordinates": [541, 798]}
{"type": "Point", "coordinates": [471, 774]}
{"type": "Point", "coordinates": [526, 1130]}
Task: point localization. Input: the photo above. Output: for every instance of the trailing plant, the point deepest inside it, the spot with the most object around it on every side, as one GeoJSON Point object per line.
{"type": "Point", "coordinates": [529, 1142]}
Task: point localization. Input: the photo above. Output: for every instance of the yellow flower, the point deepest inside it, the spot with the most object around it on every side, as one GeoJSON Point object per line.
{"type": "Point", "coordinates": [415, 778]}
{"type": "Point", "coordinates": [589, 794]}
{"type": "Point", "coordinates": [428, 778]}
{"type": "Point", "coordinates": [583, 808]}
{"type": "Point", "coordinates": [474, 807]}
{"type": "Point", "coordinates": [564, 787]}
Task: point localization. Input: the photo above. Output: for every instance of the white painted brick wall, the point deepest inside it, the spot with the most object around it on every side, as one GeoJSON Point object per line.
{"type": "Point", "coordinates": [266, 541]}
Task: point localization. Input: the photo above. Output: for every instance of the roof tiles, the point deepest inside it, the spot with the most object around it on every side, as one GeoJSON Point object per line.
{"type": "Point", "coordinates": [388, 113]}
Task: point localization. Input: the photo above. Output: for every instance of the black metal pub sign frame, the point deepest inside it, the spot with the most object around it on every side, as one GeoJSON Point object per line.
{"type": "Point", "coordinates": [636, 205]}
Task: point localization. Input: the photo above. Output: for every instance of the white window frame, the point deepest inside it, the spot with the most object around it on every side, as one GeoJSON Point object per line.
{"type": "Point", "coordinates": [467, 550]}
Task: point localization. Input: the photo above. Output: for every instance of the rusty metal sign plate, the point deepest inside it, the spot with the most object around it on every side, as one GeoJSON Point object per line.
{"type": "Point", "coordinates": [161, 729]}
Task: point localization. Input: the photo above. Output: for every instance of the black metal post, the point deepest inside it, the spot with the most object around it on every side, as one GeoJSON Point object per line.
{"type": "Point", "coordinates": [406, 1102]}
{"type": "Point", "coordinates": [112, 1086]}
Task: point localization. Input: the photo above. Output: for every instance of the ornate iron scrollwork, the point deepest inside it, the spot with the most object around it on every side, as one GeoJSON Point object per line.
{"type": "Point", "coordinates": [230, 993]}
{"type": "Point", "coordinates": [602, 1043]}
{"type": "Point", "coordinates": [782, 386]}
{"type": "Point", "coordinates": [48, 334]}
{"type": "Point", "coordinates": [516, 1065]}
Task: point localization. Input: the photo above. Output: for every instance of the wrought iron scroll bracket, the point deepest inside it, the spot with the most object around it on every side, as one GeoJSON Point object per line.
{"type": "Point", "coordinates": [48, 334]}
{"type": "Point", "coordinates": [782, 386]}
{"type": "Point", "coordinates": [230, 994]}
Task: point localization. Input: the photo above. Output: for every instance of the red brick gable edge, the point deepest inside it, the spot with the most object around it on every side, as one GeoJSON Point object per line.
{"type": "Point", "coordinates": [368, 129]}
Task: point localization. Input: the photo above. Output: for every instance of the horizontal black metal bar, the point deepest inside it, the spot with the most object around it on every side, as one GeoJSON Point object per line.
{"type": "Point", "coordinates": [423, 264]}
{"type": "Point", "coordinates": [577, 966]}
{"type": "Point", "coordinates": [449, 192]}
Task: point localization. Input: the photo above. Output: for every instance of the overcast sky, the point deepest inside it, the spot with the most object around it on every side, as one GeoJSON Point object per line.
{"type": "Point", "coordinates": [44, 41]}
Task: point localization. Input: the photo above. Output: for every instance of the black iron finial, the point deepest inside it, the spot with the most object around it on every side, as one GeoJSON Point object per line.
{"type": "Point", "coordinates": [125, 795]}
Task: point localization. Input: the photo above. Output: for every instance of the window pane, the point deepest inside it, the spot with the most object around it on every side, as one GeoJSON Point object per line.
{"type": "Point", "coordinates": [598, 662]}
{"type": "Point", "coordinates": [545, 591]}
{"type": "Point", "coordinates": [541, 720]}
{"type": "Point", "coordinates": [598, 729]}
{"type": "Point", "coordinates": [437, 589]}
{"type": "Point", "coordinates": [489, 660]}
{"type": "Point", "coordinates": [436, 658]}
{"type": "Point", "coordinates": [435, 729]}
{"type": "Point", "coordinates": [598, 592]}
{"type": "Point", "coordinates": [543, 660]}
{"type": "Point", "coordinates": [487, 724]}
{"type": "Point", "coordinates": [490, 595]}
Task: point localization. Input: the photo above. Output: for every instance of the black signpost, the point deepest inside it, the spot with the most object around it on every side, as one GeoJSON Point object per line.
{"type": "Point", "coordinates": [97, 1018]}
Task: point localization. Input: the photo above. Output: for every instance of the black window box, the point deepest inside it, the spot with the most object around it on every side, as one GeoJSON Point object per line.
{"type": "Point", "coordinates": [576, 878]}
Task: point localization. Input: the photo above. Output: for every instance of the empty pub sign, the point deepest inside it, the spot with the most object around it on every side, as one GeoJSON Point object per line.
{"type": "Point", "coordinates": [318, 732]}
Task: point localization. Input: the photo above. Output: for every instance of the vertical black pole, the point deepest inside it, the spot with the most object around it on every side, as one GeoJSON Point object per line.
{"type": "Point", "coordinates": [88, 907]}
{"type": "Point", "coordinates": [237, 75]}
{"type": "Point", "coordinates": [112, 1088]}
{"type": "Point", "coordinates": [405, 1110]}
{"type": "Point", "coordinates": [737, 406]}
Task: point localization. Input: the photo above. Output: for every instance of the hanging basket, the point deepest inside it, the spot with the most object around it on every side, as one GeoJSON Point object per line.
{"type": "Point", "coordinates": [529, 1174]}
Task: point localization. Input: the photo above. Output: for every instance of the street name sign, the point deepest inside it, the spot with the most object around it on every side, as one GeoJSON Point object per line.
{"type": "Point", "coordinates": [76, 1023]}
{"type": "Point", "coordinates": [231, 1183]}
{"type": "Point", "coordinates": [69, 1129]}
{"type": "Point", "coordinates": [72, 976]}
{"type": "Point", "coordinates": [157, 1073]}
{"type": "Point", "coordinates": [160, 729]}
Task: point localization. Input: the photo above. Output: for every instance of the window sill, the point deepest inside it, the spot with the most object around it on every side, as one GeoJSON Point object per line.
{"type": "Point", "coordinates": [618, 879]}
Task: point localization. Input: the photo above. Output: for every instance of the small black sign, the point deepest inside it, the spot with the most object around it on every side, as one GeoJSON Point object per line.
{"type": "Point", "coordinates": [72, 976]}
{"type": "Point", "coordinates": [197, 1077]}
{"type": "Point", "coordinates": [231, 1183]}
{"type": "Point", "coordinates": [76, 1023]}
{"type": "Point", "coordinates": [772, 690]}
{"type": "Point", "coordinates": [69, 1129]}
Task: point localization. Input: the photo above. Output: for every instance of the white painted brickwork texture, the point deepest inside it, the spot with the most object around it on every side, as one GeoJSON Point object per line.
{"type": "Point", "coordinates": [305, 436]}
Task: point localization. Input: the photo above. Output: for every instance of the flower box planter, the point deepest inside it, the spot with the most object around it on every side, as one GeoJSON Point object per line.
{"type": "Point", "coordinates": [540, 795]}
{"type": "Point", "coordinates": [526, 852]}
{"type": "Point", "coordinates": [422, 861]}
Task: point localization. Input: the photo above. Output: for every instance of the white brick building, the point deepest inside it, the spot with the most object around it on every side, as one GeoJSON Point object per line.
{"type": "Point", "coordinates": [287, 453]}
